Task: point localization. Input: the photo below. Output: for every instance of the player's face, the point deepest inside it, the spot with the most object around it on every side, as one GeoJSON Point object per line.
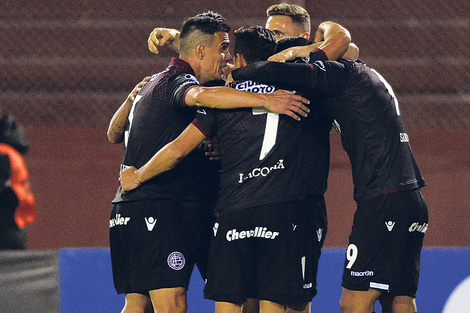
{"type": "Point", "coordinates": [282, 26]}
{"type": "Point", "coordinates": [215, 58]}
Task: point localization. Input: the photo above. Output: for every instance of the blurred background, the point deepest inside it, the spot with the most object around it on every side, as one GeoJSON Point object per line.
{"type": "Point", "coordinates": [66, 66]}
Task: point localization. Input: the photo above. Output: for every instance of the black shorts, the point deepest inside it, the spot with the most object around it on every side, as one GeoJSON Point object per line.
{"type": "Point", "coordinates": [385, 244]}
{"type": "Point", "coordinates": [155, 244]}
{"type": "Point", "coordinates": [267, 252]}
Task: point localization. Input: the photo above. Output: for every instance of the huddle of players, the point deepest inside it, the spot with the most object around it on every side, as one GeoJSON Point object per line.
{"type": "Point", "coordinates": [271, 215]}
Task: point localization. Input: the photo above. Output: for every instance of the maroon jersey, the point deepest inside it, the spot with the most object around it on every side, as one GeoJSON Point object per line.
{"type": "Point", "coordinates": [266, 157]}
{"type": "Point", "coordinates": [157, 117]}
{"type": "Point", "coordinates": [363, 103]}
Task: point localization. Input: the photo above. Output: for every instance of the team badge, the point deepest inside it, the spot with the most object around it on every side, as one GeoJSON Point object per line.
{"type": "Point", "coordinates": [176, 261]}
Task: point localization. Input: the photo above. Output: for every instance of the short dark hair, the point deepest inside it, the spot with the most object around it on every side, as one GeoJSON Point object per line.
{"type": "Point", "coordinates": [290, 42]}
{"type": "Point", "coordinates": [200, 29]}
{"type": "Point", "coordinates": [297, 13]}
{"type": "Point", "coordinates": [255, 43]}
{"type": "Point", "coordinates": [207, 22]}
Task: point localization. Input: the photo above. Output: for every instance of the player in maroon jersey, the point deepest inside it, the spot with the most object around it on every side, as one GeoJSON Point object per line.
{"type": "Point", "coordinates": [269, 220]}
{"type": "Point", "coordinates": [160, 230]}
{"type": "Point", "coordinates": [383, 256]}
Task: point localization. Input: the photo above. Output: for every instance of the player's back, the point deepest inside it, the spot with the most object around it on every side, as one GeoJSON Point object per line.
{"type": "Point", "coordinates": [266, 157]}
{"type": "Point", "coordinates": [373, 134]}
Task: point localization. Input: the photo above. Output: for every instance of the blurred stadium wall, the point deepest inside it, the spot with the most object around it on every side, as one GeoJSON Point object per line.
{"type": "Point", "coordinates": [66, 66]}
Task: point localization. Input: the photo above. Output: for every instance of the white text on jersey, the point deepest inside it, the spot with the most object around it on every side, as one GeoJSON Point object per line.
{"type": "Point", "coordinates": [261, 171]}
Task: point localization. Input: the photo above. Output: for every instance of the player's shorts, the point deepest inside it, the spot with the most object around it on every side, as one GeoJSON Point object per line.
{"type": "Point", "coordinates": [267, 252]}
{"type": "Point", "coordinates": [155, 244]}
{"type": "Point", "coordinates": [385, 244]}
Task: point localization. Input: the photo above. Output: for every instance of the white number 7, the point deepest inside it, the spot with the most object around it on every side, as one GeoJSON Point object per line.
{"type": "Point", "coordinates": [270, 132]}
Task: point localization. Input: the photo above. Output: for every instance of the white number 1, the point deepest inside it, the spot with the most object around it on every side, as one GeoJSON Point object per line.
{"type": "Point", "coordinates": [130, 118]}
{"type": "Point", "coordinates": [270, 132]}
{"type": "Point", "coordinates": [389, 89]}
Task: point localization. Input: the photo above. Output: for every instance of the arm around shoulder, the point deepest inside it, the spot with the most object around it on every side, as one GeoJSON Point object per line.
{"type": "Point", "coordinates": [280, 101]}
{"type": "Point", "coordinates": [118, 122]}
{"type": "Point", "coordinates": [335, 39]}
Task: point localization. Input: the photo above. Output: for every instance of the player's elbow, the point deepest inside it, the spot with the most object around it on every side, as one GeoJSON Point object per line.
{"type": "Point", "coordinates": [343, 38]}
{"type": "Point", "coordinates": [115, 138]}
{"type": "Point", "coordinates": [353, 52]}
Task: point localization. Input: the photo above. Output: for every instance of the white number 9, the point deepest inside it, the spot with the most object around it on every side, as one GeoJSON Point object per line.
{"type": "Point", "coordinates": [351, 255]}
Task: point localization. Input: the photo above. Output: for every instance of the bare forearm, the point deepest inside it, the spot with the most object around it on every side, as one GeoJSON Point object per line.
{"type": "Point", "coordinates": [131, 178]}
{"type": "Point", "coordinates": [175, 44]}
{"type": "Point", "coordinates": [164, 160]}
{"type": "Point", "coordinates": [172, 153]}
{"type": "Point", "coordinates": [279, 101]}
{"type": "Point", "coordinates": [117, 126]}
{"type": "Point", "coordinates": [118, 122]}
{"type": "Point", "coordinates": [334, 39]}
{"type": "Point", "coordinates": [224, 98]}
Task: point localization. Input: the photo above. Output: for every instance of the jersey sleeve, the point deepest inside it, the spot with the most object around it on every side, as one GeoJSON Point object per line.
{"type": "Point", "coordinates": [331, 77]}
{"type": "Point", "coordinates": [205, 121]}
{"type": "Point", "coordinates": [276, 73]}
{"type": "Point", "coordinates": [178, 86]}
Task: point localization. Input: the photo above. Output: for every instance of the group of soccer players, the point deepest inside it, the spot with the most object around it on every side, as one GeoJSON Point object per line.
{"type": "Point", "coordinates": [255, 221]}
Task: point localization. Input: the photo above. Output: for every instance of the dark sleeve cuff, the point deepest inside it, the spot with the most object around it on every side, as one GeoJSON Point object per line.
{"type": "Point", "coordinates": [318, 54]}
{"type": "Point", "coordinates": [202, 128]}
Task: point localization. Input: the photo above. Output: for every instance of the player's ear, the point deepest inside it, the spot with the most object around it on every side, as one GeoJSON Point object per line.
{"type": "Point", "coordinates": [199, 50]}
{"type": "Point", "coordinates": [305, 35]}
{"type": "Point", "coordinates": [239, 60]}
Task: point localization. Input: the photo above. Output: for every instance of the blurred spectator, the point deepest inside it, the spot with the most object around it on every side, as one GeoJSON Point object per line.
{"type": "Point", "coordinates": [17, 203]}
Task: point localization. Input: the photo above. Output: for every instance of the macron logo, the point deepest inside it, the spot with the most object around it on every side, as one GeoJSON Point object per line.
{"type": "Point", "coordinates": [390, 225]}
{"type": "Point", "coordinates": [150, 221]}
{"type": "Point", "coordinates": [319, 234]}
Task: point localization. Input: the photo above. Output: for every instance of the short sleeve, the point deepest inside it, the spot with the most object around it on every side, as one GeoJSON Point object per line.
{"type": "Point", "coordinates": [178, 86]}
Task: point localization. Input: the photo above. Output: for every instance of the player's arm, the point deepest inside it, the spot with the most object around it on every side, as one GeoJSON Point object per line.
{"type": "Point", "coordinates": [164, 160]}
{"type": "Point", "coordinates": [331, 77]}
{"type": "Point", "coordinates": [184, 90]}
{"type": "Point", "coordinates": [160, 37]}
{"type": "Point", "coordinates": [331, 38]}
{"type": "Point", "coordinates": [335, 41]}
{"type": "Point", "coordinates": [118, 122]}
{"type": "Point", "coordinates": [280, 101]}
{"type": "Point", "coordinates": [328, 77]}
